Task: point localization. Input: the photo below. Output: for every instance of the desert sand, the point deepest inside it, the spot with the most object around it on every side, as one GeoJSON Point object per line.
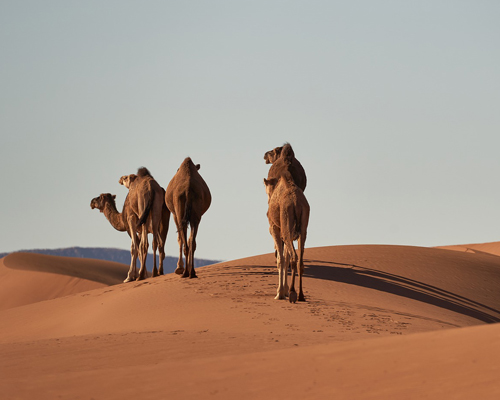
{"type": "Point", "coordinates": [380, 322]}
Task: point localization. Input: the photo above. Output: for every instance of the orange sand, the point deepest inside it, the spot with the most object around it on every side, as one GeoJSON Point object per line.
{"type": "Point", "coordinates": [380, 322]}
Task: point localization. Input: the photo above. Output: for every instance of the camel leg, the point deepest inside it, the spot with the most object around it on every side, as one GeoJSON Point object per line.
{"type": "Point", "coordinates": [302, 242]}
{"type": "Point", "coordinates": [180, 264]}
{"type": "Point", "coordinates": [185, 246]}
{"type": "Point", "coordinates": [161, 252]}
{"type": "Point", "coordinates": [134, 249]}
{"type": "Point", "coordinates": [293, 264]}
{"type": "Point", "coordinates": [155, 248]}
{"type": "Point", "coordinates": [133, 261]}
{"type": "Point", "coordinates": [162, 238]}
{"type": "Point", "coordinates": [143, 253]}
{"type": "Point", "coordinates": [287, 267]}
{"type": "Point", "coordinates": [192, 249]}
{"type": "Point", "coordinates": [280, 261]}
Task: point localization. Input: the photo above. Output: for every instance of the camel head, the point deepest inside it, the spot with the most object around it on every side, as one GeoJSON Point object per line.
{"type": "Point", "coordinates": [270, 186]}
{"type": "Point", "coordinates": [272, 155]}
{"type": "Point", "coordinates": [126, 180]}
{"type": "Point", "coordinates": [101, 201]}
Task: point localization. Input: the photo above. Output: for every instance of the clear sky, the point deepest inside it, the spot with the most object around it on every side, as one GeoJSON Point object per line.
{"type": "Point", "coordinates": [392, 107]}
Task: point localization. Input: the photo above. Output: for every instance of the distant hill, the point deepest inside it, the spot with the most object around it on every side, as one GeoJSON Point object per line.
{"type": "Point", "coordinates": [116, 255]}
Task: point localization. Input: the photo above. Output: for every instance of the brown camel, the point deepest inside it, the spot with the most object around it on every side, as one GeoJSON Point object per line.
{"type": "Point", "coordinates": [288, 216]}
{"type": "Point", "coordinates": [105, 203]}
{"type": "Point", "coordinates": [128, 181]}
{"type": "Point", "coordinates": [187, 198]}
{"type": "Point", "coordinates": [146, 204]}
{"type": "Point", "coordinates": [283, 160]}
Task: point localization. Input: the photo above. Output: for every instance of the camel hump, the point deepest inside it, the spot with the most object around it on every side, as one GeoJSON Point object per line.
{"type": "Point", "coordinates": [143, 172]}
{"type": "Point", "coordinates": [150, 197]}
{"type": "Point", "coordinates": [287, 153]}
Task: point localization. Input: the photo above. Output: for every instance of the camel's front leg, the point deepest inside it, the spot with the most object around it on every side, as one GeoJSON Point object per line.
{"type": "Point", "coordinates": [134, 246]}
{"type": "Point", "coordinates": [280, 261]}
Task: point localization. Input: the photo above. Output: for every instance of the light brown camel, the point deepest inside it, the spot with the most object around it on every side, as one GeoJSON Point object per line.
{"type": "Point", "coordinates": [128, 181]}
{"type": "Point", "coordinates": [283, 160]}
{"type": "Point", "coordinates": [288, 216]}
{"type": "Point", "coordinates": [187, 198]}
{"type": "Point", "coordinates": [105, 203]}
{"type": "Point", "coordinates": [146, 203]}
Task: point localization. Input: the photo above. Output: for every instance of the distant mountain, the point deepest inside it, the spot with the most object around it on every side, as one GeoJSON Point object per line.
{"type": "Point", "coordinates": [116, 255]}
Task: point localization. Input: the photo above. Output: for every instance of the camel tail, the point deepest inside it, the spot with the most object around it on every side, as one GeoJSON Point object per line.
{"type": "Point", "coordinates": [188, 210]}
{"type": "Point", "coordinates": [147, 210]}
{"type": "Point", "coordinates": [290, 225]}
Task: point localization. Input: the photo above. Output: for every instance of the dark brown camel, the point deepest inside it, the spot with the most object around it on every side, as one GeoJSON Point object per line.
{"type": "Point", "coordinates": [288, 216]}
{"type": "Point", "coordinates": [187, 198]}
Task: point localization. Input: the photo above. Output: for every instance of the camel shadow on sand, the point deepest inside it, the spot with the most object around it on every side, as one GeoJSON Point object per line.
{"type": "Point", "coordinates": [400, 286]}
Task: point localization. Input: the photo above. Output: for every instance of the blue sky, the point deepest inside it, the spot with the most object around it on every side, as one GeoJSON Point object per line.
{"type": "Point", "coordinates": [391, 107]}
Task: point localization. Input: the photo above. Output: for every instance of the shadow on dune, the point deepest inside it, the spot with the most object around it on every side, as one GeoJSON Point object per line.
{"type": "Point", "coordinates": [400, 286]}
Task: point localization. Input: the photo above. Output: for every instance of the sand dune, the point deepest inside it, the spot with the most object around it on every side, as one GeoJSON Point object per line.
{"type": "Point", "coordinates": [27, 278]}
{"type": "Point", "coordinates": [380, 322]}
{"type": "Point", "coordinates": [490, 248]}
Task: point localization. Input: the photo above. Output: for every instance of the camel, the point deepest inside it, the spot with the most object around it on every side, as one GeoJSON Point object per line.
{"type": "Point", "coordinates": [105, 203]}
{"type": "Point", "coordinates": [188, 198]}
{"type": "Point", "coordinates": [128, 181]}
{"type": "Point", "coordinates": [288, 216]}
{"type": "Point", "coordinates": [146, 204]}
{"type": "Point", "coordinates": [283, 160]}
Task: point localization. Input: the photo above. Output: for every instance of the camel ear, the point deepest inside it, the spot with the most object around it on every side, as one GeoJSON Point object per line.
{"type": "Point", "coordinates": [114, 196]}
{"type": "Point", "coordinates": [270, 182]}
{"type": "Point", "coordinates": [198, 166]}
{"type": "Point", "coordinates": [132, 177]}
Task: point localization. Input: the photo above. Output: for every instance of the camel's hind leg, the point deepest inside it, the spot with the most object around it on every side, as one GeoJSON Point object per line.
{"type": "Point", "coordinates": [192, 249]}
{"type": "Point", "coordinates": [180, 263]}
{"type": "Point", "coordinates": [185, 246]}
{"type": "Point", "coordinates": [293, 262]}
{"type": "Point", "coordinates": [161, 253]}
{"type": "Point", "coordinates": [143, 253]}
{"type": "Point", "coordinates": [155, 248]}
{"type": "Point", "coordinates": [302, 241]}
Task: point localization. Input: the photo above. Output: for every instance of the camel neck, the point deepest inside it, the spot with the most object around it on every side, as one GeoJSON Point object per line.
{"type": "Point", "coordinates": [114, 217]}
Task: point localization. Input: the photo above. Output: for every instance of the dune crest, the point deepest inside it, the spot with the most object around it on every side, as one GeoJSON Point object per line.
{"type": "Point", "coordinates": [27, 278]}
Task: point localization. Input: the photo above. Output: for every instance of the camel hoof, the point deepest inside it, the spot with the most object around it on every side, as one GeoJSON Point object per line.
{"type": "Point", "coordinates": [301, 297]}
{"type": "Point", "coordinates": [140, 278]}
{"type": "Point", "coordinates": [278, 297]}
{"type": "Point", "coordinates": [179, 270]}
{"type": "Point", "coordinates": [293, 297]}
{"type": "Point", "coordinates": [128, 280]}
